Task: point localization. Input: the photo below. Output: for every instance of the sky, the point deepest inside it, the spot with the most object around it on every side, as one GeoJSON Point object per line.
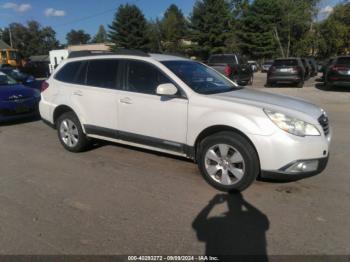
{"type": "Point", "coordinates": [64, 15]}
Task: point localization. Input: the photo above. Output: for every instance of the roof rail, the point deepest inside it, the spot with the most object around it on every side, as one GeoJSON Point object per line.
{"type": "Point", "coordinates": [124, 51]}
{"type": "Point", "coordinates": [75, 54]}
{"type": "Point", "coordinates": [82, 53]}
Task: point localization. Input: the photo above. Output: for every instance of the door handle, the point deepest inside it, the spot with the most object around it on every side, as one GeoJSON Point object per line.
{"type": "Point", "coordinates": [78, 93]}
{"type": "Point", "coordinates": [126, 100]}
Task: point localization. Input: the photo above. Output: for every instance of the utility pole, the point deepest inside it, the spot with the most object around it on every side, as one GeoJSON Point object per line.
{"type": "Point", "coordinates": [10, 33]}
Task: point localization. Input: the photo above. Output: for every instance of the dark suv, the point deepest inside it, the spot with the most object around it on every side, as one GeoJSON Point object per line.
{"type": "Point", "coordinates": [286, 70]}
{"type": "Point", "coordinates": [338, 72]}
{"type": "Point", "coordinates": [233, 66]}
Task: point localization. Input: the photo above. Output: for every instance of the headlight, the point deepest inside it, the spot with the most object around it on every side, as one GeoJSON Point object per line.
{"type": "Point", "coordinates": [292, 125]}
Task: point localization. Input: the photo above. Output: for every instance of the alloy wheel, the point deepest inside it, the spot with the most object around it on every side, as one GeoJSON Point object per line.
{"type": "Point", "coordinates": [224, 164]}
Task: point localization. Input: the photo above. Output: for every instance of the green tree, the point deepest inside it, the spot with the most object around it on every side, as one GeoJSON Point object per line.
{"type": "Point", "coordinates": [77, 37]}
{"type": "Point", "coordinates": [101, 36]}
{"type": "Point", "coordinates": [31, 39]}
{"type": "Point", "coordinates": [256, 31]}
{"type": "Point", "coordinates": [211, 26]}
{"type": "Point", "coordinates": [334, 32]}
{"type": "Point", "coordinates": [154, 35]}
{"type": "Point", "coordinates": [173, 29]}
{"type": "Point", "coordinates": [294, 26]}
{"type": "Point", "coordinates": [129, 29]}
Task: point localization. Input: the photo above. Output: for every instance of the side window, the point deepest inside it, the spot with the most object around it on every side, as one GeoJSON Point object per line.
{"type": "Point", "coordinates": [144, 78]}
{"type": "Point", "coordinates": [68, 72]}
{"type": "Point", "coordinates": [81, 74]}
{"type": "Point", "coordinates": [102, 73]}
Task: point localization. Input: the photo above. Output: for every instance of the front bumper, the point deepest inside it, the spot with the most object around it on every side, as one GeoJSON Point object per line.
{"type": "Point", "coordinates": [10, 111]}
{"type": "Point", "coordinates": [282, 174]}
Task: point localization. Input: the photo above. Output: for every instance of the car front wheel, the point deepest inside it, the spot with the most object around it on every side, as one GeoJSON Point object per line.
{"type": "Point", "coordinates": [228, 161]}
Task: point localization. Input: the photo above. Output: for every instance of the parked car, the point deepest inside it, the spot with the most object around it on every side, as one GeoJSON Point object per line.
{"type": "Point", "coordinates": [37, 69]}
{"type": "Point", "coordinates": [16, 101]}
{"type": "Point", "coordinates": [338, 73]}
{"type": "Point", "coordinates": [232, 66]}
{"type": "Point", "coordinates": [307, 67]}
{"type": "Point", "coordinates": [183, 107]}
{"type": "Point", "coordinates": [254, 65]}
{"type": "Point", "coordinates": [19, 76]}
{"type": "Point", "coordinates": [313, 66]}
{"type": "Point", "coordinates": [266, 66]}
{"type": "Point", "coordinates": [286, 70]}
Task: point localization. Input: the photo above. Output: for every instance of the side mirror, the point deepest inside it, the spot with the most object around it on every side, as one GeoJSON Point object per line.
{"type": "Point", "coordinates": [166, 90]}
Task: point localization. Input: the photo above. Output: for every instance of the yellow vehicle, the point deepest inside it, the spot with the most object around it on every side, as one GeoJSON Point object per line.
{"type": "Point", "coordinates": [9, 55]}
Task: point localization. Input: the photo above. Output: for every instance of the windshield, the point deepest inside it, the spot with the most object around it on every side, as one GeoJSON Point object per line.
{"type": "Point", "coordinates": [344, 60]}
{"type": "Point", "coordinates": [14, 73]}
{"type": "Point", "coordinates": [6, 80]}
{"type": "Point", "coordinates": [286, 62]}
{"type": "Point", "coordinates": [200, 78]}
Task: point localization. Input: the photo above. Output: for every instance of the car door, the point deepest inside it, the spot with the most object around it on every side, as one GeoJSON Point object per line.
{"type": "Point", "coordinates": [96, 100]}
{"type": "Point", "coordinates": [146, 118]}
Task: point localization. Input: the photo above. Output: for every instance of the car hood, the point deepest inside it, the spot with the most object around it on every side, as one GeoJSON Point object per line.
{"type": "Point", "coordinates": [272, 101]}
{"type": "Point", "coordinates": [17, 90]}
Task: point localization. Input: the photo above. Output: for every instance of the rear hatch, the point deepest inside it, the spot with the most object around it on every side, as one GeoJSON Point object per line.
{"type": "Point", "coordinates": [231, 66]}
{"type": "Point", "coordinates": [340, 71]}
{"type": "Point", "coordinates": [221, 63]}
{"type": "Point", "coordinates": [285, 67]}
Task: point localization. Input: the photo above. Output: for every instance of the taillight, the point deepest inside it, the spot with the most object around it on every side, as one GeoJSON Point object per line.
{"type": "Point", "coordinates": [296, 69]}
{"type": "Point", "coordinates": [44, 86]}
{"type": "Point", "coordinates": [339, 68]}
{"type": "Point", "coordinates": [228, 70]}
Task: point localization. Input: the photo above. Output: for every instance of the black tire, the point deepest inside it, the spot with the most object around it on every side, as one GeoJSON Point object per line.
{"type": "Point", "coordinates": [300, 84]}
{"type": "Point", "coordinates": [327, 85]}
{"type": "Point", "coordinates": [243, 146]}
{"type": "Point", "coordinates": [82, 141]}
{"type": "Point", "coordinates": [251, 80]}
{"type": "Point", "coordinates": [268, 84]}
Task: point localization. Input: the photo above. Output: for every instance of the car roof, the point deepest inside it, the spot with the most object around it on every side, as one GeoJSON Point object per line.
{"type": "Point", "coordinates": [156, 57]}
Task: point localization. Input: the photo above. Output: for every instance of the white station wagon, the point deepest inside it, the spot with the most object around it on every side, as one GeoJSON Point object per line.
{"type": "Point", "coordinates": [182, 107]}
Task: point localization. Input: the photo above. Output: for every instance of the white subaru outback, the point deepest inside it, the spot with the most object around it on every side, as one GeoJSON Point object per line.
{"type": "Point", "coordinates": [182, 107]}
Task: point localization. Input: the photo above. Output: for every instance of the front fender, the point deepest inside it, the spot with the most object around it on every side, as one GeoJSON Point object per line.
{"type": "Point", "coordinates": [246, 120]}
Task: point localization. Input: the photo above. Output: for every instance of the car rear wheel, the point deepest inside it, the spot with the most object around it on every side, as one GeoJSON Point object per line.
{"type": "Point", "coordinates": [250, 82]}
{"type": "Point", "coordinates": [228, 161]}
{"type": "Point", "coordinates": [300, 84]}
{"type": "Point", "coordinates": [70, 133]}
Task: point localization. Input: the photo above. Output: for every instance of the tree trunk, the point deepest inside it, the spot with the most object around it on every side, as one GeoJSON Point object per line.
{"type": "Point", "coordinates": [279, 41]}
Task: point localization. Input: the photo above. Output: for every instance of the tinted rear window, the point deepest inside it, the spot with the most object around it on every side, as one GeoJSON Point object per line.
{"type": "Point", "coordinates": [286, 62]}
{"type": "Point", "coordinates": [222, 59]}
{"type": "Point", "coordinates": [344, 60]}
{"type": "Point", "coordinates": [69, 72]}
{"type": "Point", "coordinates": [102, 73]}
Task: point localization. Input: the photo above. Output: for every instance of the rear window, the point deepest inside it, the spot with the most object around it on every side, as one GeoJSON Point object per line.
{"type": "Point", "coordinates": [222, 59]}
{"type": "Point", "coordinates": [69, 72]}
{"type": "Point", "coordinates": [285, 62]}
{"type": "Point", "coordinates": [102, 73]}
{"type": "Point", "coordinates": [343, 60]}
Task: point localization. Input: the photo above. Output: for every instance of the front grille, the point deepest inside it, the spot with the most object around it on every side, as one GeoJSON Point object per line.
{"type": "Point", "coordinates": [17, 99]}
{"type": "Point", "coordinates": [324, 122]}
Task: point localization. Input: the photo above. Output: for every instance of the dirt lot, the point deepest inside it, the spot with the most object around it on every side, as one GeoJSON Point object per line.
{"type": "Point", "coordinates": [121, 200]}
